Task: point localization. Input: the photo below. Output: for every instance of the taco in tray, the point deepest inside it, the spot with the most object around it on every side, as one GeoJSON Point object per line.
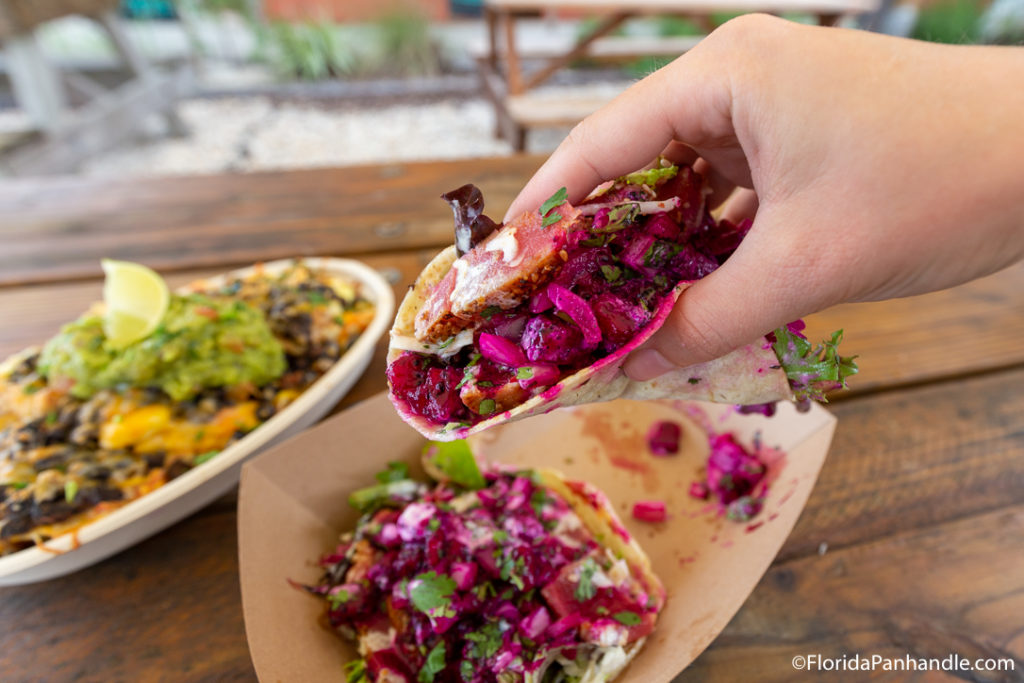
{"type": "Point", "coordinates": [490, 574]}
{"type": "Point", "coordinates": [540, 313]}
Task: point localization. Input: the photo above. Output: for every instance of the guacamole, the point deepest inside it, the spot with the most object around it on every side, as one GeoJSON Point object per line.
{"type": "Point", "coordinates": [201, 342]}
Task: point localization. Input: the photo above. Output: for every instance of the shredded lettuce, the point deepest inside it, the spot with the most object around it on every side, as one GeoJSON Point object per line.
{"type": "Point", "coordinates": [371, 497]}
{"type": "Point", "coordinates": [355, 671]}
{"type": "Point", "coordinates": [812, 370]}
{"type": "Point", "coordinates": [650, 177]}
{"type": "Point", "coordinates": [456, 462]}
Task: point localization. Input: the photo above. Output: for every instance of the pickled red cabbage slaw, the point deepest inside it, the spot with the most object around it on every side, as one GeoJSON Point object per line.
{"type": "Point", "coordinates": [486, 575]}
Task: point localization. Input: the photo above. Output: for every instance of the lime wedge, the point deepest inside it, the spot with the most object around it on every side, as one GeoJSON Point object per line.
{"type": "Point", "coordinates": [136, 300]}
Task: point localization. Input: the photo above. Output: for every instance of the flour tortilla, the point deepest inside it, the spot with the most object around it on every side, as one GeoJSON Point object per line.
{"type": "Point", "coordinates": [749, 375]}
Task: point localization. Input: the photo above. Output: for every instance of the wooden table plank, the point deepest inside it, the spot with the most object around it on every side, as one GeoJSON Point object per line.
{"type": "Point", "coordinates": [917, 457]}
{"type": "Point", "coordinates": [964, 330]}
{"type": "Point", "coordinates": [59, 229]}
{"type": "Point", "coordinates": [169, 609]}
{"type": "Point", "coordinates": [956, 588]}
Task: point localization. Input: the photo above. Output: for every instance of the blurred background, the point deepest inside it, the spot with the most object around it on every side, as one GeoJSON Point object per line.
{"type": "Point", "coordinates": [126, 88]}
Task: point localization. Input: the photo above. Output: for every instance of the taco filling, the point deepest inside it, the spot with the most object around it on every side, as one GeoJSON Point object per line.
{"type": "Point", "coordinates": [528, 304]}
{"type": "Point", "coordinates": [490, 574]}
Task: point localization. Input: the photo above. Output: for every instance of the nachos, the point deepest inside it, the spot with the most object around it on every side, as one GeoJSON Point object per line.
{"type": "Point", "coordinates": [87, 426]}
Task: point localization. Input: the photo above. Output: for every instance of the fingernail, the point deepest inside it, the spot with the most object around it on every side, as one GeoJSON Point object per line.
{"type": "Point", "coordinates": [647, 364]}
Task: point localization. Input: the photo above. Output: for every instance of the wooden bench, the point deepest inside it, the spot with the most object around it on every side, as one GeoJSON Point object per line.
{"type": "Point", "coordinates": [500, 62]}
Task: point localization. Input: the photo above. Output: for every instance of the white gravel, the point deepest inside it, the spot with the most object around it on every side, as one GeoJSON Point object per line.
{"type": "Point", "coordinates": [254, 133]}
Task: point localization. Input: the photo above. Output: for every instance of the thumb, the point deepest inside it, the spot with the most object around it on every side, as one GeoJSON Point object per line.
{"type": "Point", "coordinates": [759, 288]}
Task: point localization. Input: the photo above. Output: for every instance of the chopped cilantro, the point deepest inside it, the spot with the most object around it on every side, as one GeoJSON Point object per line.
{"type": "Point", "coordinates": [316, 297]}
{"type": "Point", "coordinates": [486, 642]}
{"type": "Point", "coordinates": [627, 618]}
{"type": "Point", "coordinates": [203, 457]}
{"type": "Point", "coordinates": [446, 343]}
{"type": "Point", "coordinates": [538, 499]}
{"type": "Point", "coordinates": [585, 589]}
{"type": "Point", "coordinates": [524, 373]}
{"type": "Point", "coordinates": [813, 370]}
{"type": "Point", "coordinates": [551, 219]}
{"type": "Point", "coordinates": [339, 598]}
{"type": "Point", "coordinates": [434, 524]}
{"type": "Point", "coordinates": [489, 311]}
{"type": "Point", "coordinates": [487, 406]}
{"type": "Point", "coordinates": [431, 593]}
{"type": "Point", "coordinates": [500, 536]}
{"type": "Point", "coordinates": [466, 376]}
{"type": "Point", "coordinates": [557, 199]}
{"type": "Point", "coordinates": [70, 490]}
{"type": "Point", "coordinates": [17, 485]}
{"type": "Point", "coordinates": [611, 273]}
{"type": "Point", "coordinates": [660, 252]}
{"type": "Point", "coordinates": [199, 435]}
{"type": "Point", "coordinates": [396, 471]}
{"type": "Point", "coordinates": [434, 664]}
{"type": "Point", "coordinates": [31, 389]}
{"type": "Point", "coordinates": [619, 217]}
{"type": "Point", "coordinates": [51, 417]}
{"type": "Point", "coordinates": [485, 384]}
{"type": "Point", "coordinates": [601, 610]}
{"type": "Point", "coordinates": [599, 241]}
{"type": "Point", "coordinates": [467, 670]}
{"type": "Point", "coordinates": [457, 462]}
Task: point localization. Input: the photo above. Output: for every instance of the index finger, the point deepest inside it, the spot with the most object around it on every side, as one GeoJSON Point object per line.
{"type": "Point", "coordinates": [688, 100]}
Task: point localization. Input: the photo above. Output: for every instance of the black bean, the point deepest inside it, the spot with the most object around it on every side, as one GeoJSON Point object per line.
{"type": "Point", "coordinates": [109, 493]}
{"type": "Point", "coordinates": [15, 522]}
{"type": "Point", "coordinates": [57, 460]}
{"type": "Point", "coordinates": [265, 411]}
{"type": "Point", "coordinates": [51, 511]}
{"type": "Point", "coordinates": [176, 469]}
{"type": "Point", "coordinates": [155, 459]}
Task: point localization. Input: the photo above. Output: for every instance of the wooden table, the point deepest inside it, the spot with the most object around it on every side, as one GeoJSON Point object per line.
{"type": "Point", "coordinates": [912, 542]}
{"type": "Point", "coordinates": [508, 84]}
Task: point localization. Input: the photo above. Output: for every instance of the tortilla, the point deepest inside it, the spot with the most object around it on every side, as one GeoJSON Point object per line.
{"type": "Point", "coordinates": [749, 375]}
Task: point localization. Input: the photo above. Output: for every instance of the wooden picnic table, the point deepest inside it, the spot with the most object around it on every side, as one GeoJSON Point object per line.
{"type": "Point", "coordinates": [508, 84]}
{"type": "Point", "coordinates": [912, 542]}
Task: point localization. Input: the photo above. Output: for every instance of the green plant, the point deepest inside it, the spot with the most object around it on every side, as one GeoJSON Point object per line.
{"type": "Point", "coordinates": [406, 46]}
{"type": "Point", "coordinates": [308, 50]}
{"type": "Point", "coordinates": [678, 26]}
{"type": "Point", "coordinates": [951, 21]}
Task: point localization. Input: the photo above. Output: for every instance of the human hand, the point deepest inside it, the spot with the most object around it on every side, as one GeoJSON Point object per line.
{"type": "Point", "coordinates": [874, 168]}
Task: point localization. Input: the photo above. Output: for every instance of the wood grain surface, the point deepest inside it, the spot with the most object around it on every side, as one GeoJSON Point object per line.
{"type": "Point", "coordinates": [55, 230]}
{"type": "Point", "coordinates": [911, 542]}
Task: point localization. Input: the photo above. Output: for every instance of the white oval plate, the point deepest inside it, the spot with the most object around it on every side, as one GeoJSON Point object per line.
{"type": "Point", "coordinates": [199, 486]}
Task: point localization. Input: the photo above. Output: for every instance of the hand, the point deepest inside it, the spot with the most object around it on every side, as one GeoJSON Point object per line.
{"type": "Point", "coordinates": [874, 167]}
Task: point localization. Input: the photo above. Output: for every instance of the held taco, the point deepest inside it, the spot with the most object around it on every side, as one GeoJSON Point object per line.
{"type": "Point", "coordinates": [489, 574]}
{"type": "Point", "coordinates": [540, 313]}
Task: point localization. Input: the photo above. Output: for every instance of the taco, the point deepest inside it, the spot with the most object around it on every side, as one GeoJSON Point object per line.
{"type": "Point", "coordinates": [490, 574]}
{"type": "Point", "coordinates": [540, 313]}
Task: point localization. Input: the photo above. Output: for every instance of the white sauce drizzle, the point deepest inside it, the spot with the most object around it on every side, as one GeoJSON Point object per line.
{"type": "Point", "coordinates": [505, 242]}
